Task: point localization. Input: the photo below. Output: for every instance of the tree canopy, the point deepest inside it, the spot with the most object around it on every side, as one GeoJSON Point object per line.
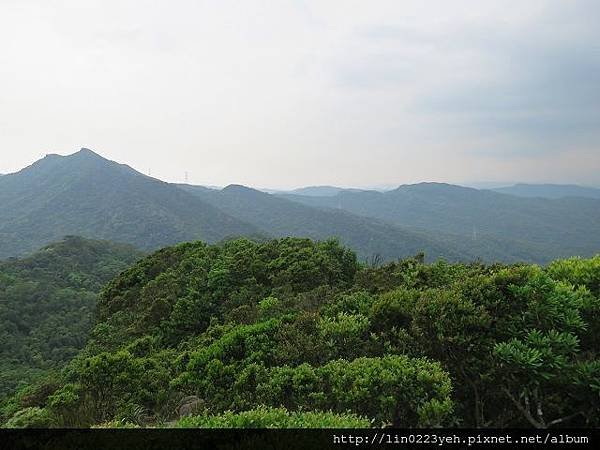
{"type": "Point", "coordinates": [292, 332]}
{"type": "Point", "coordinates": [47, 303]}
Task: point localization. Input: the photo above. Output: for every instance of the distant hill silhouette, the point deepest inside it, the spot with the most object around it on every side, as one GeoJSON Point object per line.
{"type": "Point", "coordinates": [321, 191]}
{"type": "Point", "coordinates": [550, 190]}
{"type": "Point", "coordinates": [551, 228]}
{"type": "Point", "coordinates": [84, 194]}
{"type": "Point", "coordinates": [367, 236]}
{"type": "Point", "coordinates": [280, 217]}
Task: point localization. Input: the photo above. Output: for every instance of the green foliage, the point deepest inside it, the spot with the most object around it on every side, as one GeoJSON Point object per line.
{"type": "Point", "coordinates": [263, 417]}
{"type": "Point", "coordinates": [391, 390]}
{"type": "Point", "coordinates": [33, 417]}
{"type": "Point", "coordinates": [268, 306]}
{"type": "Point", "coordinates": [116, 384]}
{"type": "Point", "coordinates": [345, 335]}
{"type": "Point", "coordinates": [501, 332]}
{"type": "Point", "coordinates": [232, 333]}
{"type": "Point", "coordinates": [579, 272]}
{"type": "Point", "coordinates": [540, 367]}
{"type": "Point", "coordinates": [202, 282]}
{"type": "Point", "coordinates": [47, 302]}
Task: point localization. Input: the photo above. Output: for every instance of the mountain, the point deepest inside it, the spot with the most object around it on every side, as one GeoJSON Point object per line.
{"type": "Point", "coordinates": [551, 228]}
{"type": "Point", "coordinates": [47, 303]}
{"type": "Point", "coordinates": [84, 194]}
{"type": "Point", "coordinates": [87, 195]}
{"type": "Point", "coordinates": [367, 236]}
{"type": "Point", "coordinates": [280, 217]}
{"type": "Point", "coordinates": [552, 191]}
{"type": "Point", "coordinates": [321, 191]}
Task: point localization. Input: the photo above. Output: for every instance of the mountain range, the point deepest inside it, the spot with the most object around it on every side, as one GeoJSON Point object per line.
{"type": "Point", "coordinates": [280, 217]}
{"type": "Point", "coordinates": [549, 227]}
{"type": "Point", "coordinates": [549, 190]}
{"type": "Point", "coordinates": [322, 191]}
{"type": "Point", "coordinates": [552, 191]}
{"type": "Point", "coordinates": [87, 195]}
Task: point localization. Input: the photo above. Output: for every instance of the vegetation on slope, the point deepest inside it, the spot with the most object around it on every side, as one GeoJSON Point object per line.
{"type": "Point", "coordinates": [240, 330]}
{"type": "Point", "coordinates": [264, 417]}
{"type": "Point", "coordinates": [494, 225]}
{"type": "Point", "coordinates": [86, 195]}
{"type": "Point", "coordinates": [367, 237]}
{"type": "Point", "coordinates": [47, 304]}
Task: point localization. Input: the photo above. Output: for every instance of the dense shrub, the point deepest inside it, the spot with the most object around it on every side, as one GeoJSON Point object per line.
{"type": "Point", "coordinates": [299, 325]}
{"type": "Point", "coordinates": [33, 417]}
{"type": "Point", "coordinates": [263, 417]}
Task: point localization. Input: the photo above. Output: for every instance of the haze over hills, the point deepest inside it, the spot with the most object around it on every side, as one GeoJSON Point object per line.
{"type": "Point", "coordinates": [549, 190]}
{"type": "Point", "coordinates": [367, 236]}
{"type": "Point", "coordinates": [321, 191]}
{"type": "Point", "coordinates": [280, 217]}
{"type": "Point", "coordinates": [324, 191]}
{"type": "Point", "coordinates": [85, 194]}
{"type": "Point", "coordinates": [561, 227]}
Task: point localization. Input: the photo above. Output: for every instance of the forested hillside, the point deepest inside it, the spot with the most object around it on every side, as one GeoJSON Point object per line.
{"type": "Point", "coordinates": [47, 304]}
{"type": "Point", "coordinates": [86, 195]}
{"type": "Point", "coordinates": [292, 332]}
{"type": "Point", "coordinates": [368, 237]}
{"type": "Point", "coordinates": [280, 217]}
{"type": "Point", "coordinates": [549, 228]}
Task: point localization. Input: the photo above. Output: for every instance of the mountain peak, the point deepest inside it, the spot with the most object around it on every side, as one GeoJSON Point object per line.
{"type": "Point", "coordinates": [84, 161]}
{"type": "Point", "coordinates": [86, 152]}
{"type": "Point", "coordinates": [238, 188]}
{"type": "Point", "coordinates": [430, 186]}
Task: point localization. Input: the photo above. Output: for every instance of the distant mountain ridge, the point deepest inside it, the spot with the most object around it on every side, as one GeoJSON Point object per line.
{"type": "Point", "coordinates": [87, 195]}
{"type": "Point", "coordinates": [556, 227]}
{"type": "Point", "coordinates": [281, 217]}
{"type": "Point", "coordinates": [322, 191]}
{"type": "Point", "coordinates": [366, 235]}
{"type": "Point", "coordinates": [551, 191]}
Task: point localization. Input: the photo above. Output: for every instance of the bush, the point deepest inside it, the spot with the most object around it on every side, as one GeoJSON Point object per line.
{"type": "Point", "coordinates": [264, 417]}
{"type": "Point", "coordinates": [33, 417]}
{"type": "Point", "coordinates": [394, 390]}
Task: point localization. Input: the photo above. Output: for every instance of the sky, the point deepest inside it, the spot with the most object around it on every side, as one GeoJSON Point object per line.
{"type": "Point", "coordinates": [283, 94]}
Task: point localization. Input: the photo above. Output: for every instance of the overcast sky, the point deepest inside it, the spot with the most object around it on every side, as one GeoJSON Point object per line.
{"type": "Point", "coordinates": [288, 93]}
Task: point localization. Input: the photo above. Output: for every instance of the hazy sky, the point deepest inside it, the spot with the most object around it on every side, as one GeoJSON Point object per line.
{"type": "Point", "coordinates": [287, 93]}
